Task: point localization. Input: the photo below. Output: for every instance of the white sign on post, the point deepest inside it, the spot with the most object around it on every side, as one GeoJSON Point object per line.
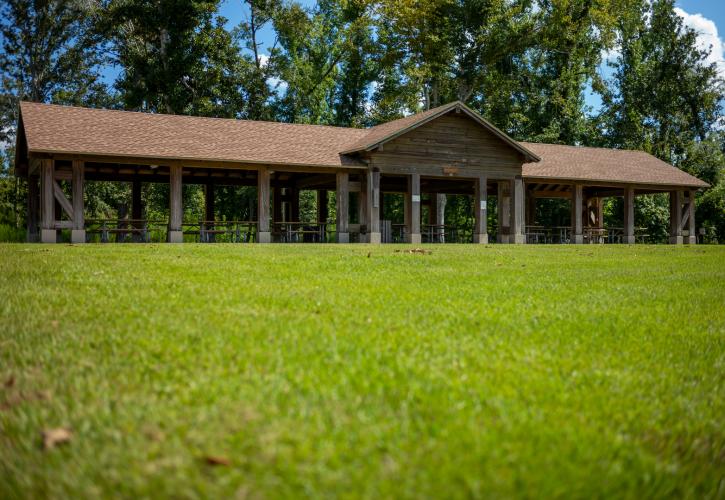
{"type": "Point", "coordinates": [416, 198]}
{"type": "Point", "coordinates": [483, 204]}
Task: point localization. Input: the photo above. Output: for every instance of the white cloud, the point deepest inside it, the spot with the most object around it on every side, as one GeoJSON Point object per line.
{"type": "Point", "coordinates": [707, 37]}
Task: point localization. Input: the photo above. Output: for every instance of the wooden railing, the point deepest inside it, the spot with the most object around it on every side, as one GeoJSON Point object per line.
{"type": "Point", "coordinates": [122, 230]}
{"type": "Point", "coordinates": [225, 231]}
{"type": "Point", "coordinates": [563, 234]}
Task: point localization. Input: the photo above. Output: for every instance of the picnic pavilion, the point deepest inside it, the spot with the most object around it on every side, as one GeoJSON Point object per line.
{"type": "Point", "coordinates": [449, 150]}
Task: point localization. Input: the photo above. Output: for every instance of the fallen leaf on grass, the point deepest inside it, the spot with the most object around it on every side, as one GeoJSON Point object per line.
{"type": "Point", "coordinates": [54, 437]}
{"type": "Point", "coordinates": [10, 382]}
{"type": "Point", "coordinates": [416, 250]}
{"type": "Point", "coordinates": [153, 434]}
{"type": "Point", "coordinates": [217, 460]}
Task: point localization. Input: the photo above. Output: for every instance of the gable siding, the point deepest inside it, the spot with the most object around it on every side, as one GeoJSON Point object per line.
{"type": "Point", "coordinates": [449, 141]}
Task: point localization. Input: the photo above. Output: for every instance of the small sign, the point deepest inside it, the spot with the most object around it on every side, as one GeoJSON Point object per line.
{"type": "Point", "coordinates": [483, 204]}
{"type": "Point", "coordinates": [450, 170]}
{"type": "Point", "coordinates": [416, 198]}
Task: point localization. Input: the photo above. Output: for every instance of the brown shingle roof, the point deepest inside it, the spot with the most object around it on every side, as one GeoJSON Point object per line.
{"type": "Point", "coordinates": [70, 130]}
{"type": "Point", "coordinates": [604, 165]}
{"type": "Point", "coordinates": [65, 129]}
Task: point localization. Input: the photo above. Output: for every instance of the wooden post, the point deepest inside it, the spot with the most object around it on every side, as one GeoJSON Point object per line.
{"type": "Point", "coordinates": [503, 207]}
{"type": "Point", "coordinates": [342, 207]}
{"type": "Point", "coordinates": [412, 210]}
{"type": "Point", "coordinates": [374, 204]}
{"type": "Point", "coordinates": [517, 212]}
{"type": "Point", "coordinates": [137, 209]}
{"type": "Point", "coordinates": [263, 233]}
{"type": "Point", "coordinates": [209, 208]}
{"type": "Point", "coordinates": [628, 215]}
{"type": "Point", "coordinates": [136, 202]}
{"type": "Point", "coordinates": [432, 209]}
{"type": "Point", "coordinates": [530, 208]}
{"type": "Point", "coordinates": [277, 204]}
{"type": "Point", "coordinates": [480, 210]}
{"type": "Point", "coordinates": [294, 204]}
{"type": "Point", "coordinates": [692, 235]}
{"type": "Point", "coordinates": [598, 212]}
{"type": "Point", "coordinates": [47, 202]}
{"type": "Point", "coordinates": [362, 209]}
{"type": "Point", "coordinates": [176, 209]}
{"type": "Point", "coordinates": [209, 214]}
{"type": "Point", "coordinates": [440, 216]}
{"type": "Point", "coordinates": [577, 235]}
{"type": "Point", "coordinates": [432, 215]}
{"type": "Point", "coordinates": [676, 217]}
{"type": "Point", "coordinates": [322, 212]}
{"type": "Point", "coordinates": [78, 232]}
{"type": "Point", "coordinates": [33, 208]}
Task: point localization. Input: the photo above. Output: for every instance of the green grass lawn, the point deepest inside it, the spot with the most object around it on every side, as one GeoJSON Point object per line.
{"type": "Point", "coordinates": [363, 371]}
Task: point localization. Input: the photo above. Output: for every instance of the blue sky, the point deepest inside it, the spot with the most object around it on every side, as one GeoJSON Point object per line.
{"type": "Point", "coordinates": [706, 17]}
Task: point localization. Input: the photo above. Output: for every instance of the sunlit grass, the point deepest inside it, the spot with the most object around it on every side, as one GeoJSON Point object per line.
{"type": "Point", "coordinates": [363, 371]}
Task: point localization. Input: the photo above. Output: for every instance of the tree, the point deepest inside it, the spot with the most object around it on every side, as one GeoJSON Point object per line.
{"type": "Point", "coordinates": [47, 56]}
{"type": "Point", "coordinates": [175, 56]}
{"type": "Point", "coordinates": [258, 70]}
{"type": "Point", "coordinates": [663, 97]}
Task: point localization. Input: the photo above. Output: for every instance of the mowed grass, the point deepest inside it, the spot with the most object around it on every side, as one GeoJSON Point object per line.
{"type": "Point", "coordinates": [363, 371]}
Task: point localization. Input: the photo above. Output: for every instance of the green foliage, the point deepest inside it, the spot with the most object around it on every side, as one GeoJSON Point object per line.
{"type": "Point", "coordinates": [47, 55]}
{"type": "Point", "coordinates": [328, 371]}
{"type": "Point", "coordinates": [176, 56]}
{"type": "Point", "coordinates": [11, 233]}
{"type": "Point", "coordinates": [711, 212]}
{"type": "Point", "coordinates": [664, 96]}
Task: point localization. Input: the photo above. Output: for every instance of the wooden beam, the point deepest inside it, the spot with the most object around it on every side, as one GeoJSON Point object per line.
{"type": "Point", "coordinates": [530, 218]}
{"type": "Point", "coordinates": [209, 208]}
{"type": "Point", "coordinates": [191, 163]}
{"type": "Point", "coordinates": [263, 180]}
{"type": "Point", "coordinates": [176, 209]}
{"type": "Point", "coordinates": [277, 214]}
{"type": "Point", "coordinates": [33, 209]}
{"type": "Point", "coordinates": [676, 217]}
{"type": "Point", "coordinates": [480, 210]}
{"type": "Point", "coordinates": [315, 181]}
{"type": "Point", "coordinates": [628, 215]}
{"type": "Point", "coordinates": [64, 203]}
{"type": "Point", "coordinates": [322, 209]}
{"type": "Point", "coordinates": [136, 200]}
{"type": "Point", "coordinates": [78, 233]}
{"type": "Point", "coordinates": [576, 215]}
{"type": "Point", "coordinates": [692, 235]}
{"type": "Point", "coordinates": [374, 203]}
{"type": "Point", "coordinates": [342, 198]}
{"type": "Point", "coordinates": [517, 211]}
{"type": "Point", "coordinates": [47, 201]}
{"type": "Point", "coordinates": [412, 209]}
{"type": "Point", "coordinates": [294, 204]}
{"type": "Point", "coordinates": [503, 207]}
{"type": "Point", "coordinates": [362, 207]}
